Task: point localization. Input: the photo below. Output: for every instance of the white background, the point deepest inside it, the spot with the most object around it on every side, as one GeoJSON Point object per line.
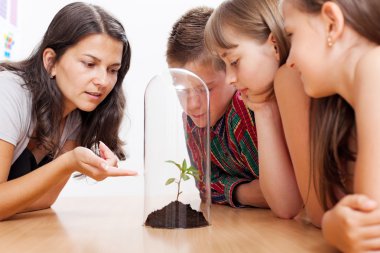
{"type": "Point", "coordinates": [148, 24]}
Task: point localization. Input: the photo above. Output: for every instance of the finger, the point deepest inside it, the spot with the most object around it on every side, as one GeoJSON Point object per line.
{"type": "Point", "coordinates": [371, 245]}
{"type": "Point", "coordinates": [117, 172]}
{"type": "Point", "coordinates": [107, 153]}
{"type": "Point", "coordinates": [358, 202]}
{"type": "Point", "coordinates": [369, 232]}
{"type": "Point", "coordinates": [370, 218]}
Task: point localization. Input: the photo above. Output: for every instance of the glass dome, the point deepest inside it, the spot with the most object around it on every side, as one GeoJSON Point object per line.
{"type": "Point", "coordinates": [176, 151]}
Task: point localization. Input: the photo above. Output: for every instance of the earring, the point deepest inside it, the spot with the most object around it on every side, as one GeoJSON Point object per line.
{"type": "Point", "coordinates": [329, 41]}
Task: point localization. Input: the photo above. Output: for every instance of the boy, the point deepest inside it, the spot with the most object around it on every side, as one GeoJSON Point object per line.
{"type": "Point", "coordinates": [233, 139]}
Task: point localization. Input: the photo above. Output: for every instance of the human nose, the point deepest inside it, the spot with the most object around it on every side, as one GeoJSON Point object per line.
{"type": "Point", "coordinates": [101, 77]}
{"type": "Point", "coordinates": [193, 101]}
{"type": "Point", "coordinates": [230, 77]}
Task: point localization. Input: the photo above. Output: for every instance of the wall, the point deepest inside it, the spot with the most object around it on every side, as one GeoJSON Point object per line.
{"type": "Point", "coordinates": [148, 23]}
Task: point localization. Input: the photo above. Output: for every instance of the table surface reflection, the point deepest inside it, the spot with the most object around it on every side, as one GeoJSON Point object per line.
{"type": "Point", "coordinates": [115, 224]}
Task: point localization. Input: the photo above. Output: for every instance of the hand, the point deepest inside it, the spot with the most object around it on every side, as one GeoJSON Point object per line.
{"type": "Point", "coordinates": [353, 225]}
{"type": "Point", "coordinates": [108, 155]}
{"type": "Point", "coordinates": [250, 194]}
{"type": "Point", "coordinates": [88, 163]}
{"type": "Point", "coordinates": [255, 100]}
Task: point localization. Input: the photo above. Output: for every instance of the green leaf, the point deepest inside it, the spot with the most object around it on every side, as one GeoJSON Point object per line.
{"type": "Point", "coordinates": [192, 168]}
{"type": "Point", "coordinates": [176, 164]}
{"type": "Point", "coordinates": [185, 177]}
{"type": "Point", "coordinates": [169, 181]}
{"type": "Point", "coordinates": [184, 164]}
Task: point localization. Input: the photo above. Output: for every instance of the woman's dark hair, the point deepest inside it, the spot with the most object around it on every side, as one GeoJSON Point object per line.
{"type": "Point", "coordinates": [71, 24]}
{"type": "Point", "coordinates": [332, 122]}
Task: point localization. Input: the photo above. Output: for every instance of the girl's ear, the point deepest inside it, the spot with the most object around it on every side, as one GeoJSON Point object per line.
{"type": "Point", "coordinates": [333, 18]}
{"type": "Point", "coordinates": [48, 57]}
{"type": "Point", "coordinates": [272, 41]}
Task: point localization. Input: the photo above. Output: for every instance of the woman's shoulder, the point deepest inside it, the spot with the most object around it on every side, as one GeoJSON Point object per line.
{"type": "Point", "coordinates": [10, 81]}
{"type": "Point", "coordinates": [13, 91]}
{"type": "Point", "coordinates": [9, 75]}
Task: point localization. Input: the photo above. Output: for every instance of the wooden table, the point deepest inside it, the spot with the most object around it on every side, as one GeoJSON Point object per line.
{"type": "Point", "coordinates": [105, 224]}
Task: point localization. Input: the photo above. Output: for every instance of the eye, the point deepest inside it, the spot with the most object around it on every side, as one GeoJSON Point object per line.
{"type": "Point", "coordinates": [234, 63]}
{"type": "Point", "coordinates": [88, 64]}
{"type": "Point", "coordinates": [114, 71]}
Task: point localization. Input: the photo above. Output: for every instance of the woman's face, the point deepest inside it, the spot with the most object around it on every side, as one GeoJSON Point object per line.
{"type": "Point", "coordinates": [87, 72]}
{"type": "Point", "coordinates": [250, 65]}
{"type": "Point", "coordinates": [309, 49]}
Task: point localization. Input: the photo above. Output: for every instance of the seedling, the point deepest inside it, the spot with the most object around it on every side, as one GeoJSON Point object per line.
{"type": "Point", "coordinates": [185, 173]}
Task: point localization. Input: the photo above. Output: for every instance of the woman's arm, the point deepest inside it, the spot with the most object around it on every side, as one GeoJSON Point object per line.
{"type": "Point", "coordinates": [25, 192]}
{"type": "Point", "coordinates": [294, 106]}
{"type": "Point", "coordinates": [48, 199]}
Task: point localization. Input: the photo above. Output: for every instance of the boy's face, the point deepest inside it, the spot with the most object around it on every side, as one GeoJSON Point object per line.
{"type": "Point", "coordinates": [221, 93]}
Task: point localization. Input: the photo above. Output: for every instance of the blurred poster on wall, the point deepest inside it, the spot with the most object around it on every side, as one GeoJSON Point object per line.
{"type": "Point", "coordinates": [8, 28]}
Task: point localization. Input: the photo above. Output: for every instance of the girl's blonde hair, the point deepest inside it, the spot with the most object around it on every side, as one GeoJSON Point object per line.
{"type": "Point", "coordinates": [256, 19]}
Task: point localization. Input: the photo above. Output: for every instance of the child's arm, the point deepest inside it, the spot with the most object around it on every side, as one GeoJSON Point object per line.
{"type": "Point", "coordinates": [235, 191]}
{"type": "Point", "coordinates": [294, 105]}
{"type": "Point", "coordinates": [366, 103]}
{"type": "Point", "coordinates": [250, 194]}
{"type": "Point", "coordinates": [277, 179]}
{"type": "Point", "coordinates": [358, 216]}
{"type": "Point", "coordinates": [353, 224]}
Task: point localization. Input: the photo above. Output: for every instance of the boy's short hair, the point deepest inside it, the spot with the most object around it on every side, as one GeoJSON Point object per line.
{"type": "Point", "coordinates": [186, 41]}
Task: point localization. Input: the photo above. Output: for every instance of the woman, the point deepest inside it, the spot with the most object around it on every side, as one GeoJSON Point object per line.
{"type": "Point", "coordinates": [64, 99]}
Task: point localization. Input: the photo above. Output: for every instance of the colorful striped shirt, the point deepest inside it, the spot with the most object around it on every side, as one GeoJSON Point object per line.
{"type": "Point", "coordinates": [233, 150]}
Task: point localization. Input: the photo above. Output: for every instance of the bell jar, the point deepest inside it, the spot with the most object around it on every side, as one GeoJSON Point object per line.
{"type": "Point", "coordinates": [176, 151]}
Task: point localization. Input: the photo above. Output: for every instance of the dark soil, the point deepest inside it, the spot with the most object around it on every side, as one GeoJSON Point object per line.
{"type": "Point", "coordinates": [176, 215]}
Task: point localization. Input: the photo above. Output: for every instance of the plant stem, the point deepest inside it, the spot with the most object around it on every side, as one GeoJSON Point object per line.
{"type": "Point", "coordinates": [179, 187]}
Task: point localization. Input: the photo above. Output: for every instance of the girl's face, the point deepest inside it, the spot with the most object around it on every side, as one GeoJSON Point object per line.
{"type": "Point", "coordinates": [309, 49]}
{"type": "Point", "coordinates": [250, 66]}
{"type": "Point", "coordinates": [87, 72]}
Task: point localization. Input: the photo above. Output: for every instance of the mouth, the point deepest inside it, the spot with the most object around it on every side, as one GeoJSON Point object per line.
{"type": "Point", "coordinates": [198, 116]}
{"type": "Point", "coordinates": [94, 95]}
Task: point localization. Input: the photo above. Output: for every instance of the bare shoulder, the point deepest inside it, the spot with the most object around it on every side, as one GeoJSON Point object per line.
{"type": "Point", "coordinates": [287, 81]}
{"type": "Point", "coordinates": [368, 67]}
